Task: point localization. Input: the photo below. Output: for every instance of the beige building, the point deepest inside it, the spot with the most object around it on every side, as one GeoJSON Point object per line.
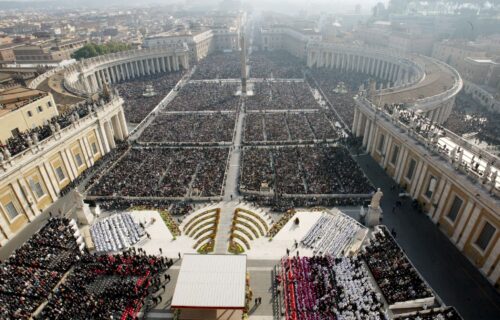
{"type": "Point", "coordinates": [22, 109]}
{"type": "Point", "coordinates": [31, 181]}
{"type": "Point", "coordinates": [462, 202]}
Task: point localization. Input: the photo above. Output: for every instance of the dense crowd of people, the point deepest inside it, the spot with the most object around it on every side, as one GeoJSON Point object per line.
{"type": "Point", "coordinates": [290, 126]}
{"type": "Point", "coordinates": [165, 172]}
{"type": "Point", "coordinates": [24, 140]}
{"type": "Point", "coordinates": [219, 65]}
{"type": "Point", "coordinates": [331, 234]}
{"type": "Point", "coordinates": [282, 95]}
{"type": "Point", "coordinates": [321, 287]}
{"type": "Point", "coordinates": [328, 80]}
{"type": "Point", "coordinates": [395, 275]}
{"type": "Point", "coordinates": [275, 64]}
{"type": "Point", "coordinates": [318, 169]}
{"type": "Point", "coordinates": [189, 127]}
{"type": "Point", "coordinates": [137, 106]}
{"type": "Point", "coordinates": [106, 287]}
{"type": "Point", "coordinates": [31, 272]}
{"type": "Point", "coordinates": [469, 117]}
{"type": "Point", "coordinates": [205, 96]}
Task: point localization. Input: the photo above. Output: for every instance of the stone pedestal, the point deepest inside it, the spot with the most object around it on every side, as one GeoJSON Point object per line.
{"type": "Point", "coordinates": [373, 216]}
{"type": "Point", "coordinates": [84, 215]}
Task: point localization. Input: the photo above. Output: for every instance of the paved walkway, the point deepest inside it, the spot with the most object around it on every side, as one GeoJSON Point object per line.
{"type": "Point", "coordinates": [456, 281]}
{"type": "Point", "coordinates": [233, 172]}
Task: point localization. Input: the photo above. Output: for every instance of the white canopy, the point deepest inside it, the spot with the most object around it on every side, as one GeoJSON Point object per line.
{"type": "Point", "coordinates": [211, 282]}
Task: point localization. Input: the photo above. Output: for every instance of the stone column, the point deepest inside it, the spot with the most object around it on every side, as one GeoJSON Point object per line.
{"type": "Point", "coordinates": [442, 202]}
{"type": "Point", "coordinates": [123, 124]}
{"type": "Point", "coordinates": [52, 178]}
{"type": "Point", "coordinates": [87, 151]}
{"type": "Point", "coordinates": [373, 129]}
{"type": "Point", "coordinates": [110, 134]}
{"type": "Point", "coordinates": [24, 200]}
{"type": "Point", "coordinates": [103, 139]}
{"type": "Point", "coordinates": [401, 163]}
{"type": "Point", "coordinates": [462, 220]}
{"type": "Point", "coordinates": [495, 274]}
{"type": "Point", "coordinates": [163, 67]}
{"type": "Point", "coordinates": [117, 128]}
{"type": "Point", "coordinates": [465, 234]}
{"type": "Point", "coordinates": [355, 122]}
{"type": "Point", "coordinates": [360, 123]}
{"type": "Point", "coordinates": [69, 163]}
{"type": "Point", "coordinates": [169, 65]}
{"type": "Point", "coordinates": [420, 179]}
{"type": "Point", "coordinates": [387, 147]}
{"type": "Point", "coordinates": [492, 257]}
{"type": "Point", "coordinates": [6, 229]}
{"type": "Point", "coordinates": [367, 131]}
{"type": "Point", "coordinates": [48, 182]}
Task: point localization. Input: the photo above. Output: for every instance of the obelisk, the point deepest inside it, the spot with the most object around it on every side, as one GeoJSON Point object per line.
{"type": "Point", "coordinates": [243, 58]}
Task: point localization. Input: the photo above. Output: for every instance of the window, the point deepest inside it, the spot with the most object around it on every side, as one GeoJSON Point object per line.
{"type": "Point", "coordinates": [60, 174]}
{"type": "Point", "coordinates": [431, 186]}
{"type": "Point", "coordinates": [36, 188]}
{"type": "Point", "coordinates": [94, 148]}
{"type": "Point", "coordinates": [381, 141]}
{"type": "Point", "coordinates": [485, 236]}
{"type": "Point", "coordinates": [40, 109]}
{"type": "Point", "coordinates": [455, 208]}
{"type": "Point", "coordinates": [11, 210]}
{"type": "Point", "coordinates": [78, 159]}
{"type": "Point", "coordinates": [30, 114]}
{"type": "Point", "coordinates": [411, 169]}
{"type": "Point", "coordinates": [395, 153]}
{"type": "Point", "coordinates": [49, 104]}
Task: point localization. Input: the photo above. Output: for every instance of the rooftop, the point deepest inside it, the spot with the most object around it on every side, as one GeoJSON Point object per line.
{"type": "Point", "coordinates": [211, 282]}
{"type": "Point", "coordinates": [16, 98]}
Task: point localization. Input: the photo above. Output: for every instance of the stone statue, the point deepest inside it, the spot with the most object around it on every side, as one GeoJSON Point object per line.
{"type": "Point", "coordinates": [78, 197]}
{"type": "Point", "coordinates": [1, 156]}
{"type": "Point", "coordinates": [52, 128]}
{"type": "Point", "coordinates": [6, 153]}
{"type": "Point", "coordinates": [29, 140]}
{"type": "Point", "coordinates": [58, 126]}
{"type": "Point", "coordinates": [493, 179]}
{"type": "Point", "coordinates": [35, 138]}
{"type": "Point", "coordinates": [375, 204]}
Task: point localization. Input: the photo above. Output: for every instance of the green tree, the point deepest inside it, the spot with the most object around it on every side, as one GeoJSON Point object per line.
{"type": "Point", "coordinates": [92, 49]}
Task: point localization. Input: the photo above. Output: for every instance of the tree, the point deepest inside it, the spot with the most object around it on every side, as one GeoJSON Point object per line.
{"type": "Point", "coordinates": [92, 49]}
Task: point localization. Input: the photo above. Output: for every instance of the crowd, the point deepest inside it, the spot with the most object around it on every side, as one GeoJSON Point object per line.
{"type": "Point", "coordinates": [275, 64]}
{"type": "Point", "coordinates": [106, 287]}
{"type": "Point", "coordinates": [469, 117]}
{"type": "Point", "coordinates": [219, 65]}
{"type": "Point", "coordinates": [165, 172]}
{"type": "Point", "coordinates": [24, 140]}
{"type": "Point", "coordinates": [290, 126]}
{"type": "Point", "coordinates": [326, 288]}
{"type": "Point", "coordinates": [328, 80]}
{"type": "Point", "coordinates": [318, 169]}
{"type": "Point", "coordinates": [282, 95]}
{"type": "Point", "coordinates": [203, 96]}
{"type": "Point", "coordinates": [332, 234]}
{"type": "Point", "coordinates": [137, 106]}
{"type": "Point", "coordinates": [189, 127]}
{"type": "Point", "coordinates": [92, 173]}
{"type": "Point", "coordinates": [31, 272]}
{"type": "Point", "coordinates": [396, 277]}
{"type": "Point", "coordinates": [116, 232]}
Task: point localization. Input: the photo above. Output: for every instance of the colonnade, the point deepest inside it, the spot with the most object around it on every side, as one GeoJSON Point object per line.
{"type": "Point", "coordinates": [394, 73]}
{"type": "Point", "coordinates": [436, 185]}
{"type": "Point", "coordinates": [91, 137]}
{"type": "Point", "coordinates": [89, 76]}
